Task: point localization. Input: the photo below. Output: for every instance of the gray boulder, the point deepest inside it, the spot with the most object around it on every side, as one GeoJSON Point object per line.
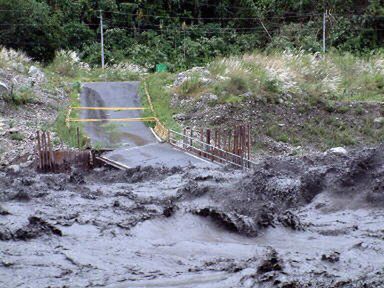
{"type": "Point", "coordinates": [3, 89]}
{"type": "Point", "coordinates": [378, 122]}
{"type": "Point", "coordinates": [18, 67]}
{"type": "Point", "coordinates": [36, 73]}
{"type": "Point", "coordinates": [180, 117]}
{"type": "Point", "coordinates": [338, 151]}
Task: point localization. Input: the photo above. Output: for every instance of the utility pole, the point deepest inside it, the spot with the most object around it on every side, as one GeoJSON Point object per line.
{"type": "Point", "coordinates": [324, 27]}
{"type": "Point", "coordinates": [102, 39]}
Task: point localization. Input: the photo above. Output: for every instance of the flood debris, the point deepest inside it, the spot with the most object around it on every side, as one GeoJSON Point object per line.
{"type": "Point", "coordinates": [332, 257]}
{"type": "Point", "coordinates": [36, 227]}
{"type": "Point", "coordinates": [311, 221]}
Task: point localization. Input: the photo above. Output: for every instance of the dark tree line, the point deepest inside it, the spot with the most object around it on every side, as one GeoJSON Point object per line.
{"type": "Point", "coordinates": [185, 33]}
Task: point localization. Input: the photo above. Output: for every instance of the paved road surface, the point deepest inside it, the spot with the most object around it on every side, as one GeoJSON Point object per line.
{"type": "Point", "coordinates": [133, 142]}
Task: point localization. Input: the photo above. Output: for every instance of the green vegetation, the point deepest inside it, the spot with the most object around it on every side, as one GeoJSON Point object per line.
{"type": "Point", "coordinates": [67, 68]}
{"type": "Point", "coordinates": [299, 98]}
{"type": "Point", "coordinates": [17, 136]}
{"type": "Point", "coordinates": [20, 96]}
{"type": "Point", "coordinates": [161, 99]}
{"type": "Point", "coordinates": [68, 133]}
{"type": "Point", "coordinates": [184, 34]}
{"type": "Point", "coordinates": [315, 79]}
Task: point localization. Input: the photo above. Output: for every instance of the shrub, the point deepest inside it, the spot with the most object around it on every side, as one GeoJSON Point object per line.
{"type": "Point", "coordinates": [191, 86]}
{"type": "Point", "coordinates": [17, 136]}
{"type": "Point", "coordinates": [21, 96]}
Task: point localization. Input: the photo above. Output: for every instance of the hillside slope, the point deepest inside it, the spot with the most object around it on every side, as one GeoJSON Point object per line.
{"type": "Point", "coordinates": [295, 102]}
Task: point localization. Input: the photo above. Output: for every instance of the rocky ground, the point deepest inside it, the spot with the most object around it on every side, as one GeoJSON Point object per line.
{"type": "Point", "coordinates": [312, 221]}
{"type": "Point", "coordinates": [282, 124]}
{"type": "Point", "coordinates": [27, 104]}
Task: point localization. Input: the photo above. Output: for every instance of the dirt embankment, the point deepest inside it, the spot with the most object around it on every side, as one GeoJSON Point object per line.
{"type": "Point", "coordinates": [314, 221]}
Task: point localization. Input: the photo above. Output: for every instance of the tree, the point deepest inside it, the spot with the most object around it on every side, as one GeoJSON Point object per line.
{"type": "Point", "coordinates": [30, 26]}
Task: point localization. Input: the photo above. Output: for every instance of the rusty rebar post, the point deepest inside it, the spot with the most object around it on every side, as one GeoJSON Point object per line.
{"type": "Point", "coordinates": [49, 148]}
{"type": "Point", "coordinates": [201, 141]}
{"type": "Point", "coordinates": [191, 138]}
{"type": "Point", "coordinates": [78, 136]}
{"type": "Point", "coordinates": [39, 150]}
{"type": "Point", "coordinates": [249, 144]}
{"type": "Point", "coordinates": [208, 141]}
{"type": "Point", "coordinates": [184, 138]}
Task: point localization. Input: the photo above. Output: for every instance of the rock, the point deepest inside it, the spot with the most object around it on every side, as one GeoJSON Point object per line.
{"type": "Point", "coordinates": [3, 89]}
{"type": "Point", "coordinates": [378, 122]}
{"type": "Point", "coordinates": [332, 257]}
{"type": "Point", "coordinates": [14, 168]}
{"type": "Point", "coordinates": [247, 94]}
{"type": "Point", "coordinates": [36, 73]}
{"type": "Point", "coordinates": [7, 263]}
{"type": "Point", "coordinates": [201, 72]}
{"type": "Point", "coordinates": [3, 211]}
{"type": "Point", "coordinates": [26, 164]}
{"type": "Point", "coordinates": [13, 131]}
{"type": "Point", "coordinates": [180, 117]}
{"type": "Point", "coordinates": [18, 67]}
{"type": "Point", "coordinates": [338, 151]}
{"type": "Point", "coordinates": [271, 263]}
{"type": "Point", "coordinates": [223, 78]}
{"type": "Point", "coordinates": [208, 97]}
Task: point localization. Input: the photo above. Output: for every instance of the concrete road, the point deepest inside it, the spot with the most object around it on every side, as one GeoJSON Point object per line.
{"type": "Point", "coordinates": [133, 142]}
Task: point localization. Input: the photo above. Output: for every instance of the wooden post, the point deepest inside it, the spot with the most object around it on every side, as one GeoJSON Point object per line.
{"type": "Point", "coordinates": [220, 153]}
{"type": "Point", "coordinates": [191, 139]}
{"type": "Point", "coordinates": [78, 136]}
{"type": "Point", "coordinates": [208, 141]}
{"type": "Point", "coordinates": [184, 138]}
{"type": "Point", "coordinates": [39, 150]}
{"type": "Point", "coordinates": [229, 142]}
{"type": "Point", "coordinates": [235, 143]}
{"type": "Point", "coordinates": [201, 141]}
{"type": "Point", "coordinates": [249, 142]}
{"type": "Point", "coordinates": [214, 152]}
{"type": "Point", "coordinates": [43, 150]}
{"type": "Point", "coordinates": [49, 151]}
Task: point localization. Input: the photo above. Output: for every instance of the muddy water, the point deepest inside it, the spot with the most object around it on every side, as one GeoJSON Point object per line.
{"type": "Point", "coordinates": [198, 227]}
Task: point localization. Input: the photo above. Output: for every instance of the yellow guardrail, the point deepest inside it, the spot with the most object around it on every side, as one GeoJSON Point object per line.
{"type": "Point", "coordinates": [109, 108]}
{"type": "Point", "coordinates": [68, 117]}
{"type": "Point", "coordinates": [148, 97]}
{"type": "Point", "coordinates": [159, 128]}
{"type": "Point", "coordinates": [142, 119]}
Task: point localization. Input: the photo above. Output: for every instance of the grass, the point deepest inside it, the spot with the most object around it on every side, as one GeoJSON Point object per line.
{"type": "Point", "coordinates": [22, 96]}
{"type": "Point", "coordinates": [309, 93]}
{"type": "Point", "coordinates": [69, 134]}
{"type": "Point", "coordinates": [161, 99]}
{"type": "Point", "coordinates": [17, 136]}
{"type": "Point", "coordinates": [66, 68]}
{"type": "Point", "coordinates": [339, 77]}
{"type": "Point", "coordinates": [191, 87]}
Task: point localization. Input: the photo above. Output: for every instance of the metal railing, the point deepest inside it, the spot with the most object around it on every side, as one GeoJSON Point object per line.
{"type": "Point", "coordinates": [203, 149]}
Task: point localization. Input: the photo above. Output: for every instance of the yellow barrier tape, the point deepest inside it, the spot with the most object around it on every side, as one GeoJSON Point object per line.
{"type": "Point", "coordinates": [109, 108]}
{"type": "Point", "coordinates": [148, 97]}
{"type": "Point", "coordinates": [145, 119]}
{"type": "Point", "coordinates": [67, 117]}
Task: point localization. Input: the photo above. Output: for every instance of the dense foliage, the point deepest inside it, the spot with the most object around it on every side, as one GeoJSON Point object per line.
{"type": "Point", "coordinates": [186, 33]}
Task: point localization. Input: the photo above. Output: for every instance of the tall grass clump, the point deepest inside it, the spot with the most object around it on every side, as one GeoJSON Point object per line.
{"type": "Point", "coordinates": [161, 99]}
{"type": "Point", "coordinates": [310, 76]}
{"type": "Point", "coordinates": [9, 57]}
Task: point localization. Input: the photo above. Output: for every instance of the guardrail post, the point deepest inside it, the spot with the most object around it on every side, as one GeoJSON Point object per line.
{"type": "Point", "coordinates": [184, 138]}
{"type": "Point", "coordinates": [208, 141]}
{"type": "Point", "coordinates": [201, 141]}
{"type": "Point", "coordinates": [191, 139]}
